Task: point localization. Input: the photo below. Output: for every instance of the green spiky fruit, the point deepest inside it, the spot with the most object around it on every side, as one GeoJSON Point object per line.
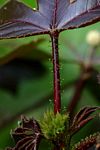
{"type": "Point", "coordinates": [53, 126]}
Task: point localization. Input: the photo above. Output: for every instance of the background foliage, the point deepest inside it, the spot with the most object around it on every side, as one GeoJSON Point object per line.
{"type": "Point", "coordinates": [26, 88]}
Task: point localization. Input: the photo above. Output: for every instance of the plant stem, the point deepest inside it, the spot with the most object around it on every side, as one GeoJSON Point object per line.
{"type": "Point", "coordinates": [79, 89]}
{"type": "Point", "coordinates": [56, 72]}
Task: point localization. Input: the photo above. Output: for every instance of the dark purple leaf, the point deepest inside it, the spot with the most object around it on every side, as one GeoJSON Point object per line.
{"type": "Point", "coordinates": [27, 136]}
{"type": "Point", "coordinates": [82, 118]}
{"type": "Point", "coordinates": [18, 20]}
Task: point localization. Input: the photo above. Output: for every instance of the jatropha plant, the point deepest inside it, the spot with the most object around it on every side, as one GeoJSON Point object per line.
{"type": "Point", "coordinates": [51, 17]}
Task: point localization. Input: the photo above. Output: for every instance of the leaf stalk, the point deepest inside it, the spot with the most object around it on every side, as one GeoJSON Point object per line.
{"type": "Point", "coordinates": [56, 71]}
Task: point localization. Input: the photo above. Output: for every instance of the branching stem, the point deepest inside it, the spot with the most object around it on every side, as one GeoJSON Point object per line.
{"type": "Point", "coordinates": [84, 76]}
{"type": "Point", "coordinates": [56, 72]}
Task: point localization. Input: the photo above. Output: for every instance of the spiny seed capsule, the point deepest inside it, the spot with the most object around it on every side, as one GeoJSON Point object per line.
{"type": "Point", "coordinates": [93, 38]}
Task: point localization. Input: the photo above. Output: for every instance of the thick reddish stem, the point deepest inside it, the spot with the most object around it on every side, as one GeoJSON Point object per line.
{"type": "Point", "coordinates": [56, 68]}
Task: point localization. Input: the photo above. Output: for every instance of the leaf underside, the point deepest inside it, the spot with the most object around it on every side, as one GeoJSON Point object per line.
{"type": "Point", "coordinates": [19, 20]}
{"type": "Point", "coordinates": [82, 118]}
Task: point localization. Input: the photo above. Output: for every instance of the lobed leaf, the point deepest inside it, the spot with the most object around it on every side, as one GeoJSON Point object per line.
{"type": "Point", "coordinates": [18, 20]}
{"type": "Point", "coordinates": [82, 118]}
{"type": "Point", "coordinates": [27, 136]}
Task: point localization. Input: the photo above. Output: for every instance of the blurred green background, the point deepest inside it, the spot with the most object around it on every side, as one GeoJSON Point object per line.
{"type": "Point", "coordinates": [26, 79]}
